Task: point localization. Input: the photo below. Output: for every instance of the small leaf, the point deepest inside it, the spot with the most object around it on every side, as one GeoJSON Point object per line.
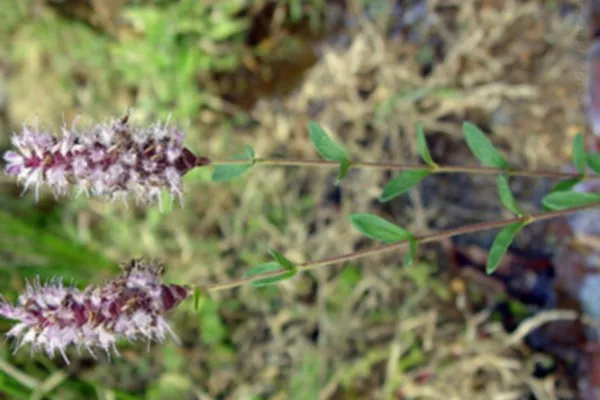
{"type": "Point", "coordinates": [565, 185]}
{"type": "Point", "coordinates": [265, 268]}
{"type": "Point", "coordinates": [501, 243]}
{"type": "Point", "coordinates": [224, 173]}
{"type": "Point", "coordinates": [578, 153]}
{"type": "Point", "coordinates": [402, 183]}
{"type": "Point", "coordinates": [423, 148]}
{"type": "Point", "coordinates": [564, 200]}
{"type": "Point", "coordinates": [483, 148]}
{"type": "Point", "coordinates": [378, 228]}
{"type": "Point", "coordinates": [326, 146]}
{"type": "Point", "coordinates": [344, 167]}
{"type": "Point", "coordinates": [411, 255]}
{"type": "Point", "coordinates": [197, 296]}
{"type": "Point", "coordinates": [284, 262]}
{"type": "Point", "coordinates": [506, 196]}
{"type": "Point", "coordinates": [593, 160]}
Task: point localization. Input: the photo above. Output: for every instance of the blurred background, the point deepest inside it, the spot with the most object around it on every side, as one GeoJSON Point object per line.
{"type": "Point", "coordinates": [240, 72]}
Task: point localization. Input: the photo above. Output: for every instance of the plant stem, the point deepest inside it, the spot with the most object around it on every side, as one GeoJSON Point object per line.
{"type": "Point", "coordinates": [441, 169]}
{"type": "Point", "coordinates": [433, 237]}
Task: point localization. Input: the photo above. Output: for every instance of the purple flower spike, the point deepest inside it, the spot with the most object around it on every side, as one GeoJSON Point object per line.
{"type": "Point", "coordinates": [111, 159]}
{"type": "Point", "coordinates": [53, 317]}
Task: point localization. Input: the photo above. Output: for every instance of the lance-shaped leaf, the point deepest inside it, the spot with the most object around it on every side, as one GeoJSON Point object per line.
{"type": "Point", "coordinates": [483, 148]}
{"type": "Point", "coordinates": [283, 261]}
{"type": "Point", "coordinates": [562, 186]}
{"type": "Point", "coordinates": [506, 196]}
{"type": "Point", "coordinates": [563, 200]}
{"type": "Point", "coordinates": [223, 173]}
{"type": "Point", "coordinates": [578, 153]}
{"type": "Point", "coordinates": [503, 240]}
{"type": "Point", "coordinates": [423, 147]}
{"type": "Point", "coordinates": [266, 268]}
{"type": "Point", "coordinates": [378, 228]}
{"type": "Point", "coordinates": [329, 149]}
{"type": "Point", "coordinates": [402, 182]}
{"type": "Point", "coordinates": [565, 185]}
{"type": "Point", "coordinates": [326, 146]}
{"type": "Point", "coordinates": [344, 167]}
{"type": "Point", "coordinates": [593, 161]}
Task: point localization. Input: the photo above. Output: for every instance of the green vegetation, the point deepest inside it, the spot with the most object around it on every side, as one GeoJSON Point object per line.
{"type": "Point", "coordinates": [370, 327]}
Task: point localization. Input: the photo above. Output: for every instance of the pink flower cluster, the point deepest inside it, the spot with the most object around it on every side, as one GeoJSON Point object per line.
{"type": "Point", "coordinates": [53, 317]}
{"type": "Point", "coordinates": [112, 159]}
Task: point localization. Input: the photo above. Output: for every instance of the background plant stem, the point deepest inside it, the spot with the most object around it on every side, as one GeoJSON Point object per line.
{"type": "Point", "coordinates": [433, 237]}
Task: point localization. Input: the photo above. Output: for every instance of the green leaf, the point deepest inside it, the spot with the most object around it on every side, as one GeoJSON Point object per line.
{"type": "Point", "coordinates": [283, 261]}
{"type": "Point", "coordinates": [266, 268]}
{"type": "Point", "coordinates": [578, 153]}
{"type": "Point", "coordinates": [197, 296]}
{"type": "Point", "coordinates": [507, 197]}
{"type": "Point", "coordinates": [564, 200]}
{"type": "Point", "coordinates": [593, 160]}
{"type": "Point", "coordinates": [501, 243]}
{"type": "Point", "coordinates": [423, 148]}
{"type": "Point", "coordinates": [565, 185]}
{"type": "Point", "coordinates": [402, 183]}
{"type": "Point", "coordinates": [411, 255]}
{"type": "Point", "coordinates": [378, 228]}
{"type": "Point", "coordinates": [326, 146]}
{"type": "Point", "coordinates": [224, 173]}
{"type": "Point", "coordinates": [483, 148]}
{"type": "Point", "coordinates": [344, 167]}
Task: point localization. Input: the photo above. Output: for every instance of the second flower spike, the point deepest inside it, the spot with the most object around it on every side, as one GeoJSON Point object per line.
{"type": "Point", "coordinates": [54, 317]}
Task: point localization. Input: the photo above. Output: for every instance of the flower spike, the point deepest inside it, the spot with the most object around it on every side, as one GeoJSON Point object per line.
{"type": "Point", "coordinates": [112, 159]}
{"type": "Point", "coordinates": [53, 317]}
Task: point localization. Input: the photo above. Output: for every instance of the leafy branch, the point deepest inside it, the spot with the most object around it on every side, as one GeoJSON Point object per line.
{"type": "Point", "coordinates": [157, 160]}
{"type": "Point", "coordinates": [439, 169]}
{"type": "Point", "coordinates": [496, 252]}
{"type": "Point", "coordinates": [559, 202]}
{"type": "Point", "coordinates": [336, 156]}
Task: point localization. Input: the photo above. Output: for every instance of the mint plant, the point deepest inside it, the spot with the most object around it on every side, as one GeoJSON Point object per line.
{"type": "Point", "coordinates": [115, 159]}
